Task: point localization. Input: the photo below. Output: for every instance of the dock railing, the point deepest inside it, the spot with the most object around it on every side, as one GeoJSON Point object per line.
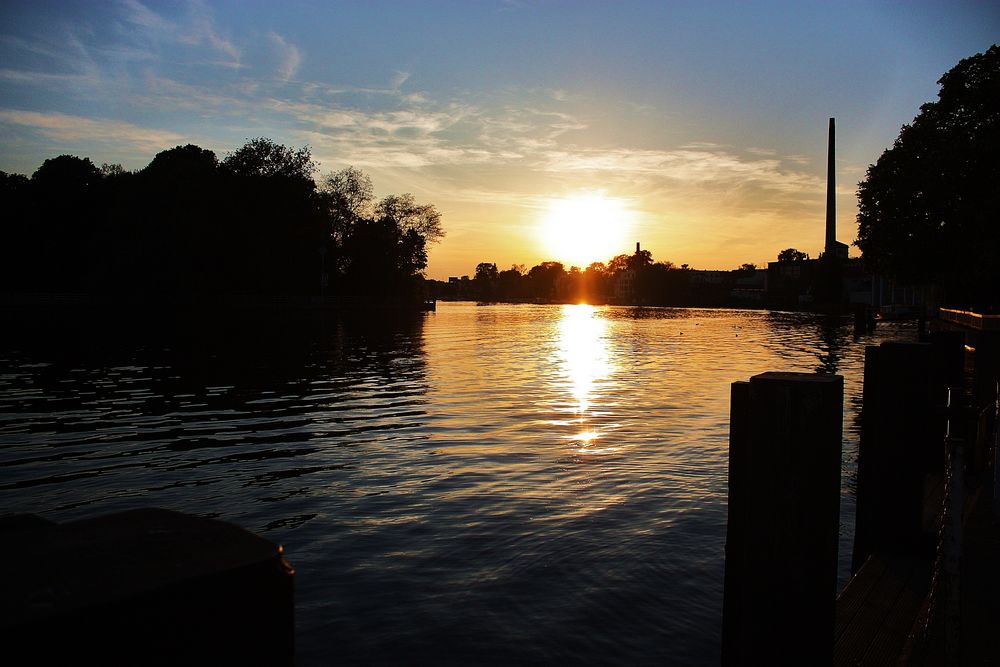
{"type": "Point", "coordinates": [970, 320]}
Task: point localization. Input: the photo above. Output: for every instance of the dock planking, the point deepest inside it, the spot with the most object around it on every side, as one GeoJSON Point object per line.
{"type": "Point", "coordinates": [877, 609]}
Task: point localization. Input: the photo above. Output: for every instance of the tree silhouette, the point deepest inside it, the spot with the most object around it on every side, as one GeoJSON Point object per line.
{"type": "Point", "coordinates": [424, 219]}
{"type": "Point", "coordinates": [928, 208]}
{"type": "Point", "coordinates": [18, 232]}
{"type": "Point", "coordinates": [512, 282]}
{"type": "Point", "coordinates": [544, 279]}
{"type": "Point", "coordinates": [263, 157]}
{"type": "Point", "coordinates": [65, 192]}
{"type": "Point", "coordinates": [384, 260]}
{"type": "Point", "coordinates": [617, 264]}
{"type": "Point", "coordinates": [348, 197]}
{"type": "Point", "coordinates": [183, 163]}
{"type": "Point", "coordinates": [792, 255]}
{"type": "Point", "coordinates": [640, 259]}
{"type": "Point", "coordinates": [67, 173]}
{"type": "Point", "coordinates": [188, 227]}
{"type": "Point", "coordinates": [486, 272]}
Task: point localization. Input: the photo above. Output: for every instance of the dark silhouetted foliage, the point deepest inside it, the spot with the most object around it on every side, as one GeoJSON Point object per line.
{"type": "Point", "coordinates": [265, 158]}
{"type": "Point", "coordinates": [183, 163]}
{"type": "Point", "coordinates": [792, 255]}
{"type": "Point", "coordinates": [928, 208]}
{"type": "Point", "coordinates": [424, 219]}
{"type": "Point", "coordinates": [628, 279]}
{"type": "Point", "coordinates": [188, 227]}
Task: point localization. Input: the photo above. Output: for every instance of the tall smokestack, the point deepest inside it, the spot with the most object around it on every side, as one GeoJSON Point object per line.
{"type": "Point", "coordinates": [831, 196]}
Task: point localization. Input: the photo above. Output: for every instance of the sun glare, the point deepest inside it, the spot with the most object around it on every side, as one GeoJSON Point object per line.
{"type": "Point", "coordinates": [585, 360]}
{"type": "Point", "coordinates": [586, 228]}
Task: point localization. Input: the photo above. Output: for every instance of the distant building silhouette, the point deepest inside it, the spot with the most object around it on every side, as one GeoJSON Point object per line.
{"type": "Point", "coordinates": [834, 280]}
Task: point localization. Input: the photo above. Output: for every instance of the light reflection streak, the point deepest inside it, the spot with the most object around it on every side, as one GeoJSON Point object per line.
{"type": "Point", "coordinates": [585, 361]}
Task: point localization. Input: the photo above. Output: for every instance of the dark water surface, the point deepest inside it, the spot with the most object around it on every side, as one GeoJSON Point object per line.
{"type": "Point", "coordinates": [492, 484]}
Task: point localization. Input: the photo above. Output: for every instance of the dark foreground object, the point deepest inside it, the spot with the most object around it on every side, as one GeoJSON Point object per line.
{"type": "Point", "coordinates": [146, 586]}
{"type": "Point", "coordinates": [784, 516]}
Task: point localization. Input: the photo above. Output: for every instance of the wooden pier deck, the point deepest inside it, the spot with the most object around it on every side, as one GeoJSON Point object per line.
{"type": "Point", "coordinates": [876, 611]}
{"type": "Point", "coordinates": [886, 615]}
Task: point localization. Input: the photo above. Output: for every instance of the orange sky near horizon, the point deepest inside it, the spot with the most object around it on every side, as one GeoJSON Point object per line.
{"type": "Point", "coordinates": [718, 230]}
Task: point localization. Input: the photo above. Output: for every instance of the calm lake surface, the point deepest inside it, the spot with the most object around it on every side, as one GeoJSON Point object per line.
{"type": "Point", "coordinates": [487, 484]}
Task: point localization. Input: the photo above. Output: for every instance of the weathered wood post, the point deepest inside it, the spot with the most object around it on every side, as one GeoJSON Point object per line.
{"type": "Point", "coordinates": [903, 425]}
{"type": "Point", "coordinates": [784, 519]}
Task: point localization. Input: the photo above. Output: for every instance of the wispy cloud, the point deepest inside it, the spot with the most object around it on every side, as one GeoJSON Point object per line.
{"type": "Point", "coordinates": [72, 129]}
{"type": "Point", "coordinates": [36, 77]}
{"type": "Point", "coordinates": [288, 56]}
{"type": "Point", "coordinates": [140, 15]}
{"type": "Point", "coordinates": [198, 29]}
{"type": "Point", "coordinates": [203, 30]}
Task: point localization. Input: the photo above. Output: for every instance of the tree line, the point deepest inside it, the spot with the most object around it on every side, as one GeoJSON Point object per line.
{"type": "Point", "coordinates": [632, 279]}
{"type": "Point", "coordinates": [189, 225]}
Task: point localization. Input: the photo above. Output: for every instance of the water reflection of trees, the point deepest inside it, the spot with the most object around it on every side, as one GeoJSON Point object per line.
{"type": "Point", "coordinates": [159, 407]}
{"type": "Point", "coordinates": [252, 348]}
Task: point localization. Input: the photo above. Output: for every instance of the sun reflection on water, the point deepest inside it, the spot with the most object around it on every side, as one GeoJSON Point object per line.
{"type": "Point", "coordinates": [585, 361]}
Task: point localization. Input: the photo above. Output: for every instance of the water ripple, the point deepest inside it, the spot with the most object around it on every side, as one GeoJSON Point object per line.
{"type": "Point", "coordinates": [480, 485]}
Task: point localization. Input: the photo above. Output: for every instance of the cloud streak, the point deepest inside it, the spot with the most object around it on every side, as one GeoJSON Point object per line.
{"type": "Point", "coordinates": [73, 129]}
{"type": "Point", "coordinates": [198, 30]}
{"type": "Point", "coordinates": [289, 57]}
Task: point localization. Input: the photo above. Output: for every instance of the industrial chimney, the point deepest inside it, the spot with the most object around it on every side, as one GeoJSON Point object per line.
{"type": "Point", "coordinates": [832, 248]}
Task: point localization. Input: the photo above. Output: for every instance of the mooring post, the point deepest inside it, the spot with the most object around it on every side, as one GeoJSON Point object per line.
{"type": "Point", "coordinates": [736, 527]}
{"type": "Point", "coordinates": [784, 519]}
{"type": "Point", "coordinates": [903, 425]}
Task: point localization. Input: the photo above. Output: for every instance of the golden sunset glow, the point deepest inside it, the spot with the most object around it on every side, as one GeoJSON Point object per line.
{"type": "Point", "coordinates": [586, 228]}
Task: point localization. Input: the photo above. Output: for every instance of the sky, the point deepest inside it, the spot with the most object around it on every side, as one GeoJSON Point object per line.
{"type": "Point", "coordinates": [563, 131]}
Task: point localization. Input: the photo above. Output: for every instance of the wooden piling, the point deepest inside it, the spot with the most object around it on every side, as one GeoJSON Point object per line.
{"type": "Point", "coordinates": [784, 511]}
{"type": "Point", "coordinates": [903, 426]}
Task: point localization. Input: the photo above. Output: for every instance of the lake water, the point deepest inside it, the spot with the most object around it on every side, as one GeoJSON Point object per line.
{"type": "Point", "coordinates": [486, 484]}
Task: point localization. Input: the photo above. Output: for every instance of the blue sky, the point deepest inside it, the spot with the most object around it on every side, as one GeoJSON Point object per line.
{"type": "Point", "coordinates": [707, 121]}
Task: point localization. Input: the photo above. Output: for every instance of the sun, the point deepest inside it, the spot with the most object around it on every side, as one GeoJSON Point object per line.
{"type": "Point", "coordinates": [585, 228]}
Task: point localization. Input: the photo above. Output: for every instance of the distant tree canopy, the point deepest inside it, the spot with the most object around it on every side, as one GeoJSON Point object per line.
{"type": "Point", "coordinates": [792, 255]}
{"type": "Point", "coordinates": [188, 225]}
{"type": "Point", "coordinates": [183, 162]}
{"type": "Point", "coordinates": [487, 271]}
{"type": "Point", "coordinates": [347, 197]}
{"type": "Point", "coordinates": [262, 157]}
{"type": "Point", "coordinates": [929, 208]}
{"type": "Point", "coordinates": [631, 279]}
